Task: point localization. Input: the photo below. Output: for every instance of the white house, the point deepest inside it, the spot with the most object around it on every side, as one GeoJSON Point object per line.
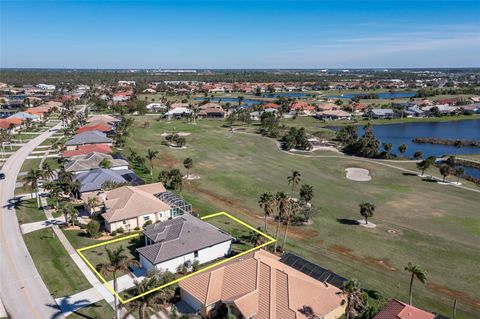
{"type": "Point", "coordinates": [181, 241]}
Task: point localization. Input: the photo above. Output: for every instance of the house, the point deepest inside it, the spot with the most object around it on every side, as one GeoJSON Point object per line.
{"type": "Point", "coordinates": [381, 113]}
{"type": "Point", "coordinates": [102, 127]}
{"type": "Point", "coordinates": [334, 115]}
{"type": "Point", "coordinates": [328, 107]}
{"type": "Point", "coordinates": [211, 110]}
{"type": "Point", "coordinates": [155, 107]}
{"type": "Point", "coordinates": [106, 119]}
{"type": "Point", "coordinates": [414, 111]}
{"type": "Point", "coordinates": [24, 116]}
{"type": "Point", "coordinates": [132, 206]}
{"type": "Point", "coordinates": [259, 285]}
{"type": "Point", "coordinates": [86, 149]}
{"type": "Point", "coordinates": [475, 108]}
{"type": "Point", "coordinates": [180, 241]}
{"type": "Point", "coordinates": [396, 309]}
{"type": "Point", "coordinates": [94, 180]}
{"type": "Point", "coordinates": [257, 115]}
{"type": "Point", "coordinates": [11, 125]}
{"type": "Point", "coordinates": [271, 106]}
{"type": "Point", "coordinates": [302, 108]}
{"type": "Point", "coordinates": [178, 112]}
{"type": "Point", "coordinates": [88, 138]}
{"type": "Point", "coordinates": [87, 162]}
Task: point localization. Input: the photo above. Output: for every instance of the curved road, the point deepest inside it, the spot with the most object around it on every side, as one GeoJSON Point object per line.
{"type": "Point", "coordinates": [22, 290]}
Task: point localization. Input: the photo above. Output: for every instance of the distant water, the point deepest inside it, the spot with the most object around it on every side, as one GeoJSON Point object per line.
{"type": "Point", "coordinates": [294, 95]}
{"type": "Point", "coordinates": [381, 96]}
{"type": "Point", "coordinates": [232, 100]}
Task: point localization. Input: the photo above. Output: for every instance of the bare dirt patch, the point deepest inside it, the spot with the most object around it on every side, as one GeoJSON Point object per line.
{"type": "Point", "coordinates": [347, 252]}
{"type": "Point", "coordinates": [455, 294]}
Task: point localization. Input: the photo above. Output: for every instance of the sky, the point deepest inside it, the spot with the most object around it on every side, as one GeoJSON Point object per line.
{"type": "Point", "coordinates": [239, 34]}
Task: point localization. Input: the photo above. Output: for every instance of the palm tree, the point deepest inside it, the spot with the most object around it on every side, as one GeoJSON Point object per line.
{"type": "Point", "coordinates": [105, 163]}
{"type": "Point", "coordinates": [425, 164]}
{"type": "Point", "coordinates": [282, 205]}
{"type": "Point", "coordinates": [387, 148]}
{"type": "Point", "coordinates": [151, 155]}
{"type": "Point", "coordinates": [457, 145]}
{"type": "Point", "coordinates": [418, 155]}
{"type": "Point", "coordinates": [289, 214]}
{"type": "Point", "coordinates": [67, 209]}
{"type": "Point", "coordinates": [150, 303]}
{"type": "Point", "coordinates": [402, 149]}
{"type": "Point", "coordinates": [188, 164]}
{"type": "Point", "coordinates": [417, 272]}
{"type": "Point", "coordinates": [73, 188]}
{"type": "Point", "coordinates": [267, 201]}
{"type": "Point", "coordinates": [367, 209]}
{"type": "Point", "coordinates": [48, 171]}
{"type": "Point", "coordinates": [445, 170]}
{"type": "Point", "coordinates": [355, 299]}
{"type": "Point", "coordinates": [93, 202]}
{"type": "Point", "coordinates": [294, 179]}
{"type": "Point", "coordinates": [459, 172]}
{"type": "Point", "coordinates": [32, 180]}
{"type": "Point", "coordinates": [306, 193]}
{"type": "Point", "coordinates": [55, 193]}
{"type": "Point", "coordinates": [117, 262]}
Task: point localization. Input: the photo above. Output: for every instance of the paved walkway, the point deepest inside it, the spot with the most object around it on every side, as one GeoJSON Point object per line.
{"type": "Point", "coordinates": [30, 227]}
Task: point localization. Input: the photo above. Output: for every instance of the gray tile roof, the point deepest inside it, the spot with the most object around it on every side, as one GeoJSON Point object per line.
{"type": "Point", "coordinates": [180, 236]}
{"type": "Point", "coordinates": [94, 179]}
{"type": "Point", "coordinates": [90, 137]}
{"type": "Point", "coordinates": [91, 161]}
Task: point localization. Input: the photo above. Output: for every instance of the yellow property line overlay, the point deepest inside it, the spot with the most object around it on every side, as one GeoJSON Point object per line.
{"type": "Point", "coordinates": [110, 288]}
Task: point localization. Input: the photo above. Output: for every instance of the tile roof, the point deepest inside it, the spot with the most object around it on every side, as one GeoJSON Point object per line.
{"type": "Point", "coordinates": [85, 149]}
{"type": "Point", "coordinates": [98, 126]}
{"type": "Point", "coordinates": [132, 201]}
{"type": "Point", "coordinates": [262, 287]}
{"type": "Point", "coordinates": [92, 160]}
{"type": "Point", "coordinates": [180, 236]}
{"type": "Point", "coordinates": [93, 180]}
{"type": "Point", "coordinates": [102, 119]}
{"type": "Point", "coordinates": [396, 309]}
{"type": "Point", "coordinates": [90, 137]}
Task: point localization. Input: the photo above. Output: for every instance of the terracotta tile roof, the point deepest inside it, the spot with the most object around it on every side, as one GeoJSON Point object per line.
{"type": "Point", "coordinates": [102, 127]}
{"type": "Point", "coordinates": [271, 106]}
{"type": "Point", "coordinates": [396, 309]}
{"type": "Point", "coordinates": [304, 106]}
{"type": "Point", "coordinates": [86, 149]}
{"type": "Point", "coordinates": [13, 120]}
{"type": "Point", "coordinates": [262, 287]}
{"type": "Point", "coordinates": [128, 202]}
{"type": "Point", "coordinates": [102, 119]}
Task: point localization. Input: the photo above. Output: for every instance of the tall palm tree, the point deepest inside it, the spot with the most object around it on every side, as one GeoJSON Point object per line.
{"type": "Point", "coordinates": [117, 262]}
{"type": "Point", "coordinates": [445, 170]}
{"type": "Point", "coordinates": [292, 210]}
{"type": "Point", "coordinates": [367, 210]}
{"type": "Point", "coordinates": [416, 272]}
{"type": "Point", "coordinates": [188, 164]}
{"type": "Point", "coordinates": [267, 201]}
{"type": "Point", "coordinates": [67, 209]}
{"type": "Point", "coordinates": [32, 180]}
{"type": "Point", "coordinates": [355, 299]}
{"type": "Point", "coordinates": [457, 145]}
{"type": "Point", "coordinates": [306, 193]}
{"type": "Point", "coordinates": [48, 171]}
{"type": "Point", "coordinates": [402, 149]}
{"type": "Point", "coordinates": [148, 304]}
{"type": "Point", "coordinates": [92, 203]}
{"type": "Point", "coordinates": [459, 172]}
{"type": "Point", "coordinates": [282, 206]}
{"type": "Point", "coordinates": [294, 179]}
{"type": "Point", "coordinates": [151, 155]}
{"type": "Point", "coordinates": [73, 188]}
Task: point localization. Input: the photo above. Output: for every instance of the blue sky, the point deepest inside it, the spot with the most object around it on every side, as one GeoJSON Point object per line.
{"type": "Point", "coordinates": [239, 34]}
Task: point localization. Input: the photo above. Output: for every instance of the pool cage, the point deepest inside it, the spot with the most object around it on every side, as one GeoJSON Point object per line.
{"type": "Point", "coordinates": [177, 203]}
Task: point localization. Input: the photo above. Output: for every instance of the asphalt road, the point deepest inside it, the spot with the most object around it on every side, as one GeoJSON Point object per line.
{"type": "Point", "coordinates": [22, 290]}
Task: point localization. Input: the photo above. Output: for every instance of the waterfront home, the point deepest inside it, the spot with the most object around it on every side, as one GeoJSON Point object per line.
{"type": "Point", "coordinates": [441, 108]}
{"type": "Point", "coordinates": [180, 241]}
{"type": "Point", "coordinates": [475, 108]}
{"type": "Point", "coordinates": [381, 114]}
{"type": "Point", "coordinates": [328, 107]}
{"type": "Point", "coordinates": [88, 138]}
{"type": "Point", "coordinates": [211, 110]}
{"type": "Point", "coordinates": [334, 115]}
{"type": "Point", "coordinates": [95, 180]}
{"type": "Point", "coordinates": [24, 116]}
{"type": "Point", "coordinates": [178, 112]}
{"type": "Point", "coordinates": [397, 309]}
{"type": "Point", "coordinates": [86, 149]}
{"type": "Point", "coordinates": [11, 125]}
{"type": "Point", "coordinates": [302, 107]}
{"type": "Point", "coordinates": [271, 106]}
{"type": "Point", "coordinates": [130, 207]}
{"type": "Point", "coordinates": [259, 285]}
{"type": "Point", "coordinates": [257, 115]}
{"type": "Point", "coordinates": [87, 162]}
{"type": "Point", "coordinates": [156, 107]}
{"type": "Point", "coordinates": [414, 111]}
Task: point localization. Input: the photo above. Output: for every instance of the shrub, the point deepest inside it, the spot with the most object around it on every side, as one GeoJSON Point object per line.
{"type": "Point", "coordinates": [114, 233]}
{"type": "Point", "coordinates": [148, 222]}
{"type": "Point", "coordinates": [120, 230]}
{"type": "Point", "coordinates": [136, 228]}
{"type": "Point", "coordinates": [93, 228]}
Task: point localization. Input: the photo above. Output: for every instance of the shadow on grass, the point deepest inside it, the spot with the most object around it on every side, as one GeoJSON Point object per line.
{"type": "Point", "coordinates": [345, 221]}
{"type": "Point", "coordinates": [66, 306]}
{"type": "Point", "coordinates": [409, 174]}
{"type": "Point", "coordinates": [429, 180]}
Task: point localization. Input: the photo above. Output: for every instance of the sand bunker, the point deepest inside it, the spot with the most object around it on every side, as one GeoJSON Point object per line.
{"type": "Point", "coordinates": [358, 174]}
{"type": "Point", "coordinates": [361, 222]}
{"type": "Point", "coordinates": [178, 133]}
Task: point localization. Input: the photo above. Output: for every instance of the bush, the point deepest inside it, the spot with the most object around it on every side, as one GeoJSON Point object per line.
{"type": "Point", "coordinates": [93, 228]}
{"type": "Point", "coordinates": [136, 228]}
{"type": "Point", "coordinates": [120, 230]}
{"type": "Point", "coordinates": [114, 233]}
{"type": "Point", "coordinates": [148, 222]}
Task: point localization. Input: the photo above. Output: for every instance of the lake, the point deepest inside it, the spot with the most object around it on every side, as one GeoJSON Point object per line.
{"type": "Point", "coordinates": [295, 95]}
{"type": "Point", "coordinates": [381, 96]}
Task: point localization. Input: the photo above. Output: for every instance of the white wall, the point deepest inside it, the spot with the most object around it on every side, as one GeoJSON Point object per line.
{"type": "Point", "coordinates": [204, 255]}
{"type": "Point", "coordinates": [190, 300]}
{"type": "Point", "coordinates": [138, 221]}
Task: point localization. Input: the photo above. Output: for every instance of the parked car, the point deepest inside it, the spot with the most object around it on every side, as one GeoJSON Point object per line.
{"type": "Point", "coordinates": [2, 175]}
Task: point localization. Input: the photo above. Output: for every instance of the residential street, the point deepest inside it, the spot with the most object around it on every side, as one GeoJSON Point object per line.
{"type": "Point", "coordinates": [22, 292]}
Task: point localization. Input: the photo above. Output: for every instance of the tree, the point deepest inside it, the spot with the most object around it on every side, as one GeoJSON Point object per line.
{"type": "Point", "coordinates": [306, 193]}
{"type": "Point", "coordinates": [93, 228]}
{"type": "Point", "coordinates": [416, 272]}
{"type": "Point", "coordinates": [281, 200]}
{"type": "Point", "coordinates": [117, 262]}
{"type": "Point", "coordinates": [355, 299]}
{"type": "Point", "coordinates": [92, 203]}
{"type": "Point", "coordinates": [267, 201]}
{"type": "Point", "coordinates": [459, 171]}
{"type": "Point", "coordinates": [47, 171]}
{"type": "Point", "coordinates": [176, 179]}
{"type": "Point", "coordinates": [418, 155]}
{"type": "Point", "coordinates": [458, 145]}
{"type": "Point", "coordinates": [426, 163]}
{"type": "Point", "coordinates": [151, 155]}
{"type": "Point", "coordinates": [105, 163]}
{"type": "Point", "coordinates": [445, 170]}
{"type": "Point", "coordinates": [188, 164]}
{"type": "Point", "coordinates": [32, 180]}
{"type": "Point", "coordinates": [367, 210]}
{"type": "Point", "coordinates": [181, 141]}
{"type": "Point", "coordinates": [164, 177]}
{"type": "Point", "coordinates": [294, 179]}
{"type": "Point", "coordinates": [387, 147]}
{"type": "Point", "coordinates": [68, 210]}
{"type": "Point", "coordinates": [73, 187]}
{"type": "Point", "coordinates": [291, 211]}
{"type": "Point", "coordinates": [402, 149]}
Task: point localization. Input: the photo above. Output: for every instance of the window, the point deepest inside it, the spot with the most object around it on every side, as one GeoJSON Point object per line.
{"type": "Point", "coordinates": [195, 254]}
{"type": "Point", "coordinates": [145, 218]}
{"type": "Point", "coordinates": [124, 222]}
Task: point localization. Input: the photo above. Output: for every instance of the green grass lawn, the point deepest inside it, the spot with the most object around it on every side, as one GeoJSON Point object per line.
{"type": "Point", "coordinates": [98, 310]}
{"type": "Point", "coordinates": [27, 212]}
{"type": "Point", "coordinates": [30, 163]}
{"type": "Point", "coordinates": [425, 223]}
{"type": "Point", "coordinates": [56, 267]}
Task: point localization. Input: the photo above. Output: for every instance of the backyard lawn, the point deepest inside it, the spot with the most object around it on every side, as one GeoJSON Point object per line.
{"type": "Point", "coordinates": [97, 310]}
{"type": "Point", "coordinates": [434, 226]}
{"type": "Point", "coordinates": [28, 212]}
{"type": "Point", "coordinates": [55, 266]}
